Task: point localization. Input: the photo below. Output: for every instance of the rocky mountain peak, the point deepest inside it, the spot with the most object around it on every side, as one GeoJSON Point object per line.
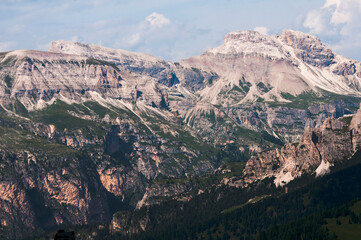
{"type": "Point", "coordinates": [308, 48]}
{"type": "Point", "coordinates": [292, 37]}
{"type": "Point", "coordinates": [63, 46]}
{"type": "Point", "coordinates": [246, 36]}
{"type": "Point", "coordinates": [249, 43]}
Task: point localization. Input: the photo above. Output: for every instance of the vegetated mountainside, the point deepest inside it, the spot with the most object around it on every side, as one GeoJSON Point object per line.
{"type": "Point", "coordinates": [88, 130]}
{"type": "Point", "coordinates": [327, 207]}
{"type": "Point", "coordinates": [321, 148]}
{"type": "Point", "coordinates": [60, 112]}
{"type": "Point", "coordinates": [222, 205]}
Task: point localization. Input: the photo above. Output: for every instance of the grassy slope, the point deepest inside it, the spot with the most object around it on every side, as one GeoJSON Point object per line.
{"type": "Point", "coordinates": [57, 114]}
{"type": "Point", "coordinates": [324, 193]}
{"type": "Point", "coordinates": [17, 140]}
{"type": "Point", "coordinates": [344, 227]}
{"type": "Point", "coordinates": [311, 98]}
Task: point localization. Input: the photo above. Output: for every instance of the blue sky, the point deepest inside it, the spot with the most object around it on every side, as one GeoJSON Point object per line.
{"type": "Point", "coordinates": [174, 29]}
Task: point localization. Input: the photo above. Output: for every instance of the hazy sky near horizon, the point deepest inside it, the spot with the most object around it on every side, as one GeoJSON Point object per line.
{"type": "Point", "coordinates": [174, 29]}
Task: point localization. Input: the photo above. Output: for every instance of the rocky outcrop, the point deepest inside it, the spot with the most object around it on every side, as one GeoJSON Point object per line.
{"type": "Point", "coordinates": [113, 180]}
{"type": "Point", "coordinates": [319, 148]}
{"type": "Point", "coordinates": [16, 212]}
{"type": "Point", "coordinates": [308, 48]}
{"type": "Point", "coordinates": [355, 130]}
{"type": "Point", "coordinates": [125, 223]}
{"type": "Point", "coordinates": [40, 191]}
{"type": "Point", "coordinates": [345, 69]}
{"type": "Point", "coordinates": [249, 43]}
{"type": "Point", "coordinates": [156, 192]}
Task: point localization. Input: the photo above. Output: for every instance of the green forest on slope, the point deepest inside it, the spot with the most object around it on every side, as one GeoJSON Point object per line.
{"type": "Point", "coordinates": [323, 208]}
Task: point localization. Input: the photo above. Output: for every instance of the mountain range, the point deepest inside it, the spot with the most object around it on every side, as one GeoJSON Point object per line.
{"type": "Point", "coordinates": [88, 131]}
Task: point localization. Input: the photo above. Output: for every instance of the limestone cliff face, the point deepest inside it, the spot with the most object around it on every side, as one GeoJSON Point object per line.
{"type": "Point", "coordinates": [113, 180]}
{"type": "Point", "coordinates": [355, 130]}
{"type": "Point", "coordinates": [15, 209]}
{"type": "Point", "coordinates": [39, 192]}
{"type": "Point", "coordinates": [37, 79]}
{"type": "Point", "coordinates": [319, 147]}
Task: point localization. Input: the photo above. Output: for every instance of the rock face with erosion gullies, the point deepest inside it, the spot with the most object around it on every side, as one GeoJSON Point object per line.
{"type": "Point", "coordinates": [136, 64]}
{"type": "Point", "coordinates": [292, 63]}
{"type": "Point", "coordinates": [37, 78]}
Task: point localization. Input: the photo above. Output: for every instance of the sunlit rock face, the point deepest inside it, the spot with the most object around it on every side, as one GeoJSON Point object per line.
{"type": "Point", "coordinates": [319, 149]}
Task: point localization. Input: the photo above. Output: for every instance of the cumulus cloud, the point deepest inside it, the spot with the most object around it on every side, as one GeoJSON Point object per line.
{"type": "Point", "coordinates": [157, 20]}
{"type": "Point", "coordinates": [262, 30]}
{"type": "Point", "coordinates": [170, 40]}
{"type": "Point", "coordinates": [340, 22]}
{"type": "Point", "coordinates": [317, 22]}
{"type": "Point", "coordinates": [148, 30]}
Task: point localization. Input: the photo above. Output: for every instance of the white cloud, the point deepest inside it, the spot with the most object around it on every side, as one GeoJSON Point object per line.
{"type": "Point", "coordinates": [316, 21]}
{"type": "Point", "coordinates": [329, 3]}
{"type": "Point", "coordinates": [262, 30]}
{"type": "Point", "coordinates": [157, 20]}
{"type": "Point", "coordinates": [147, 32]}
{"type": "Point", "coordinates": [340, 22]}
{"type": "Point", "coordinates": [334, 14]}
{"type": "Point", "coordinates": [342, 10]}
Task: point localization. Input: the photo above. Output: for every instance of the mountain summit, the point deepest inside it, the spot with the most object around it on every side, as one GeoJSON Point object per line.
{"type": "Point", "coordinates": [292, 63]}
